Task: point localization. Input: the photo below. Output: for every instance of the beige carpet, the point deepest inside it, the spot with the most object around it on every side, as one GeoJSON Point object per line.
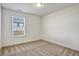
{"type": "Point", "coordinates": [38, 48]}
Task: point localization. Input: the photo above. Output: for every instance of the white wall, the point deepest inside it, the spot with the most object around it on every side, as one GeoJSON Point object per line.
{"type": "Point", "coordinates": [32, 28]}
{"type": "Point", "coordinates": [0, 27]}
{"type": "Point", "coordinates": [62, 27]}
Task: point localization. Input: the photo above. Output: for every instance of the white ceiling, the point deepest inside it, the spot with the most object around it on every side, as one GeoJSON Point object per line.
{"type": "Point", "coordinates": [30, 8]}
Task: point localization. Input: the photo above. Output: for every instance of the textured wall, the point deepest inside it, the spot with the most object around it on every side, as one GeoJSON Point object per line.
{"type": "Point", "coordinates": [0, 26]}
{"type": "Point", "coordinates": [62, 27]}
{"type": "Point", "coordinates": [32, 26]}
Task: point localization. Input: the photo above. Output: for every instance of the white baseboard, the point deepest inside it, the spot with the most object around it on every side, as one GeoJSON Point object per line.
{"type": "Point", "coordinates": [58, 43]}
{"type": "Point", "coordinates": [21, 42]}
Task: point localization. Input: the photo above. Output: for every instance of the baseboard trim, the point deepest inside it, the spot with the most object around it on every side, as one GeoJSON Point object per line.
{"type": "Point", "coordinates": [43, 40]}
{"type": "Point", "coordinates": [21, 43]}
{"type": "Point", "coordinates": [59, 45]}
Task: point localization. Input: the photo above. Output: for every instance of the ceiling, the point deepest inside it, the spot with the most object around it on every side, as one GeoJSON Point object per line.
{"type": "Point", "coordinates": [30, 8]}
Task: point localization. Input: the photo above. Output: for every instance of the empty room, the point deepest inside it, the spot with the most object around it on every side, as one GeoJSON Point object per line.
{"type": "Point", "coordinates": [39, 29]}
